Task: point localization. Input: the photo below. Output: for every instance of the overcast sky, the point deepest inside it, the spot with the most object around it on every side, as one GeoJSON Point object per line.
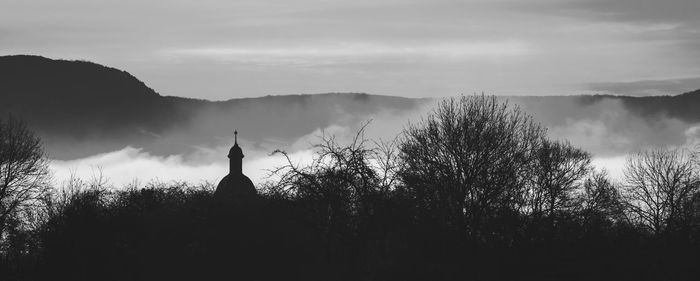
{"type": "Point", "coordinates": [225, 49]}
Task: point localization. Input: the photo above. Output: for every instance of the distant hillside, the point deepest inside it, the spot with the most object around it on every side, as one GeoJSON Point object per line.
{"type": "Point", "coordinates": [103, 108]}
{"type": "Point", "coordinates": [82, 108]}
{"type": "Point", "coordinates": [684, 107]}
{"type": "Point", "coordinates": [80, 98]}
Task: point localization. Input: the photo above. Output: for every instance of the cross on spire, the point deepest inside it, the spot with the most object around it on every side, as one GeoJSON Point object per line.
{"type": "Point", "coordinates": [235, 136]}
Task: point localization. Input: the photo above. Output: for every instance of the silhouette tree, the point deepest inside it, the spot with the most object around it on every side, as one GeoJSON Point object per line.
{"type": "Point", "coordinates": [468, 160]}
{"type": "Point", "coordinates": [598, 202]}
{"type": "Point", "coordinates": [23, 173]}
{"type": "Point", "coordinates": [659, 185]}
{"type": "Point", "coordinates": [559, 168]}
{"type": "Point", "coordinates": [345, 189]}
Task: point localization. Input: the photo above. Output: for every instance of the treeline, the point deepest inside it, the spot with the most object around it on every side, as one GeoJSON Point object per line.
{"type": "Point", "coordinates": [474, 191]}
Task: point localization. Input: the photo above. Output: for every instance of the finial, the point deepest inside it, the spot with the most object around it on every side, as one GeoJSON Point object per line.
{"type": "Point", "coordinates": [235, 136]}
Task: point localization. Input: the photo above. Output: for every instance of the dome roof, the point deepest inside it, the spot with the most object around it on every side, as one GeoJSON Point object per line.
{"type": "Point", "coordinates": [235, 187]}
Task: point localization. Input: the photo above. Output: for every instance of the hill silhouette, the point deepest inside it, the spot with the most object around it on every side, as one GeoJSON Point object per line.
{"type": "Point", "coordinates": [64, 93]}
{"type": "Point", "coordinates": [114, 109]}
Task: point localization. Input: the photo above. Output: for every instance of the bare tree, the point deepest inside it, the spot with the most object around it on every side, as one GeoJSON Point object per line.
{"type": "Point", "coordinates": [558, 170]}
{"type": "Point", "coordinates": [659, 185]}
{"type": "Point", "coordinates": [344, 185]}
{"type": "Point", "coordinates": [365, 167]}
{"type": "Point", "coordinates": [598, 201]}
{"type": "Point", "coordinates": [23, 171]}
{"type": "Point", "coordinates": [468, 158]}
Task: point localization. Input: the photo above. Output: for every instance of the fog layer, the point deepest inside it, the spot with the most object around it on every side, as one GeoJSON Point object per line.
{"type": "Point", "coordinates": [606, 126]}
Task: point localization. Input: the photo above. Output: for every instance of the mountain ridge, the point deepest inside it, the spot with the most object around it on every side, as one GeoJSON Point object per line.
{"type": "Point", "coordinates": [80, 102]}
{"type": "Point", "coordinates": [84, 102]}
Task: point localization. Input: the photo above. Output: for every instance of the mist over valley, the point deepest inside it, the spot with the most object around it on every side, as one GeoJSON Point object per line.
{"type": "Point", "coordinates": [94, 118]}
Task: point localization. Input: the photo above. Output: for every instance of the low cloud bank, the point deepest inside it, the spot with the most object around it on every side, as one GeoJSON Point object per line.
{"type": "Point", "coordinates": [209, 163]}
{"type": "Point", "coordinates": [123, 167]}
{"type": "Point", "coordinates": [605, 127]}
{"type": "Point", "coordinates": [130, 164]}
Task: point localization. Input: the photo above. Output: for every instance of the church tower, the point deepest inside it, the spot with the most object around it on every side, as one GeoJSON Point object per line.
{"type": "Point", "coordinates": [235, 156]}
{"type": "Point", "coordinates": [235, 187]}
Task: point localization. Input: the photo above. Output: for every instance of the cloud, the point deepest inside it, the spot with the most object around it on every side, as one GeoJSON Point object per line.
{"type": "Point", "coordinates": [614, 165]}
{"type": "Point", "coordinates": [640, 10]}
{"type": "Point", "coordinates": [693, 138]}
{"type": "Point", "coordinates": [126, 165]}
{"type": "Point", "coordinates": [129, 164]}
{"type": "Point", "coordinates": [607, 126]}
{"type": "Point", "coordinates": [353, 52]}
{"type": "Point", "coordinates": [207, 161]}
{"type": "Point", "coordinates": [409, 48]}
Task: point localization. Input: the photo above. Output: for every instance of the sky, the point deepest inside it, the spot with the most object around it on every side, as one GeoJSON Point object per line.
{"type": "Point", "coordinates": [222, 49]}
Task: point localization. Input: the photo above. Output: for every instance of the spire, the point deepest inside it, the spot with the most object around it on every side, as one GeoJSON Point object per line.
{"type": "Point", "coordinates": [235, 156]}
{"type": "Point", "coordinates": [235, 151]}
